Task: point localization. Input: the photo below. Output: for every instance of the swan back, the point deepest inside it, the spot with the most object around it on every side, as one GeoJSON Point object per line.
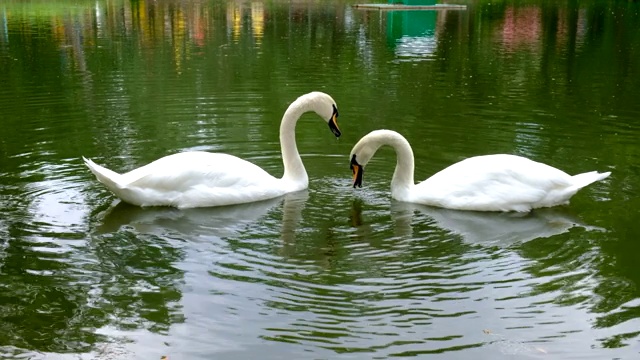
{"type": "Point", "coordinates": [501, 182]}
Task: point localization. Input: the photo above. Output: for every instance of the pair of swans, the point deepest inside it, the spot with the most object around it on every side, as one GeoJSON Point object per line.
{"type": "Point", "coordinates": [202, 179]}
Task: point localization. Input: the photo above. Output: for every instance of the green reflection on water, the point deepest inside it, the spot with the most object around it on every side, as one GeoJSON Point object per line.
{"type": "Point", "coordinates": [128, 82]}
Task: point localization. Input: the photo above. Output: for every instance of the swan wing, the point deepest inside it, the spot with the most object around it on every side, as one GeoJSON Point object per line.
{"type": "Point", "coordinates": [495, 183]}
{"type": "Point", "coordinates": [195, 179]}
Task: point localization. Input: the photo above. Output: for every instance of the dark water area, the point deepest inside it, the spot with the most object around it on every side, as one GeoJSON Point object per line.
{"type": "Point", "coordinates": [330, 272]}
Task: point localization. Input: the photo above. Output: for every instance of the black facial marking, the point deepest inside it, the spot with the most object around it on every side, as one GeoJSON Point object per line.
{"type": "Point", "coordinates": [334, 128]}
{"type": "Point", "coordinates": [332, 122]}
{"type": "Point", "coordinates": [358, 171]}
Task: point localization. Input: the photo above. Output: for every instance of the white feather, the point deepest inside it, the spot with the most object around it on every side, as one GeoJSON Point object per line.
{"type": "Point", "coordinates": [202, 179]}
{"type": "Point", "coordinates": [498, 182]}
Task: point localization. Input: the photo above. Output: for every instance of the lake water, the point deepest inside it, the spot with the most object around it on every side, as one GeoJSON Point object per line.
{"type": "Point", "coordinates": [332, 272]}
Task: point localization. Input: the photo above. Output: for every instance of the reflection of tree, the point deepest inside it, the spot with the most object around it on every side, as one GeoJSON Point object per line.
{"type": "Point", "coordinates": [57, 289]}
{"type": "Point", "coordinates": [43, 291]}
{"type": "Point", "coordinates": [138, 284]}
{"type": "Point", "coordinates": [550, 55]}
{"type": "Point", "coordinates": [103, 62]}
{"type": "Point", "coordinates": [39, 289]}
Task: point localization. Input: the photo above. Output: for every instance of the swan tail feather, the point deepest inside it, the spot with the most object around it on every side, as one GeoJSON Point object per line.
{"type": "Point", "coordinates": [584, 179]}
{"type": "Point", "coordinates": [111, 179]}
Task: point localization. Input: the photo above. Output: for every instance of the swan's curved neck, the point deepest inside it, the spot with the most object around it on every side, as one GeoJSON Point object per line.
{"type": "Point", "coordinates": [402, 180]}
{"type": "Point", "coordinates": [293, 167]}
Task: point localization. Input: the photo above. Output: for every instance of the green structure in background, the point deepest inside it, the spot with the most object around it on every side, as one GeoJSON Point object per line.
{"type": "Point", "coordinates": [410, 23]}
{"type": "Point", "coordinates": [413, 2]}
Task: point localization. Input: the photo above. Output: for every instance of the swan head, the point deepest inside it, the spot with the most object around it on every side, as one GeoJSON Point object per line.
{"type": "Point", "coordinates": [360, 155]}
{"type": "Point", "coordinates": [323, 105]}
{"type": "Point", "coordinates": [366, 147]}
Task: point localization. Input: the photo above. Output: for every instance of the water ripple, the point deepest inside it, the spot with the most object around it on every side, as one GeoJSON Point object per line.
{"type": "Point", "coordinates": [332, 272]}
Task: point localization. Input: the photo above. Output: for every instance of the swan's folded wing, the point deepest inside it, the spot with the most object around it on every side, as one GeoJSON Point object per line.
{"type": "Point", "coordinates": [184, 171]}
{"type": "Point", "coordinates": [196, 179]}
{"type": "Point", "coordinates": [489, 193]}
{"type": "Point", "coordinates": [496, 182]}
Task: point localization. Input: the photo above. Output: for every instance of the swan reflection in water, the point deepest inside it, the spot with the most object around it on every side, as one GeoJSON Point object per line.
{"type": "Point", "coordinates": [210, 245]}
{"type": "Point", "coordinates": [221, 221]}
{"type": "Point", "coordinates": [489, 228]}
{"type": "Point", "coordinates": [475, 227]}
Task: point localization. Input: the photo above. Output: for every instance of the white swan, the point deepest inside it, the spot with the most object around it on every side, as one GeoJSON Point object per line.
{"type": "Point", "coordinates": [202, 179]}
{"type": "Point", "coordinates": [497, 182]}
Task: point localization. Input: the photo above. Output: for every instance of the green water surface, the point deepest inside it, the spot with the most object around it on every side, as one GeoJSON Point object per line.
{"type": "Point", "coordinates": [332, 272]}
